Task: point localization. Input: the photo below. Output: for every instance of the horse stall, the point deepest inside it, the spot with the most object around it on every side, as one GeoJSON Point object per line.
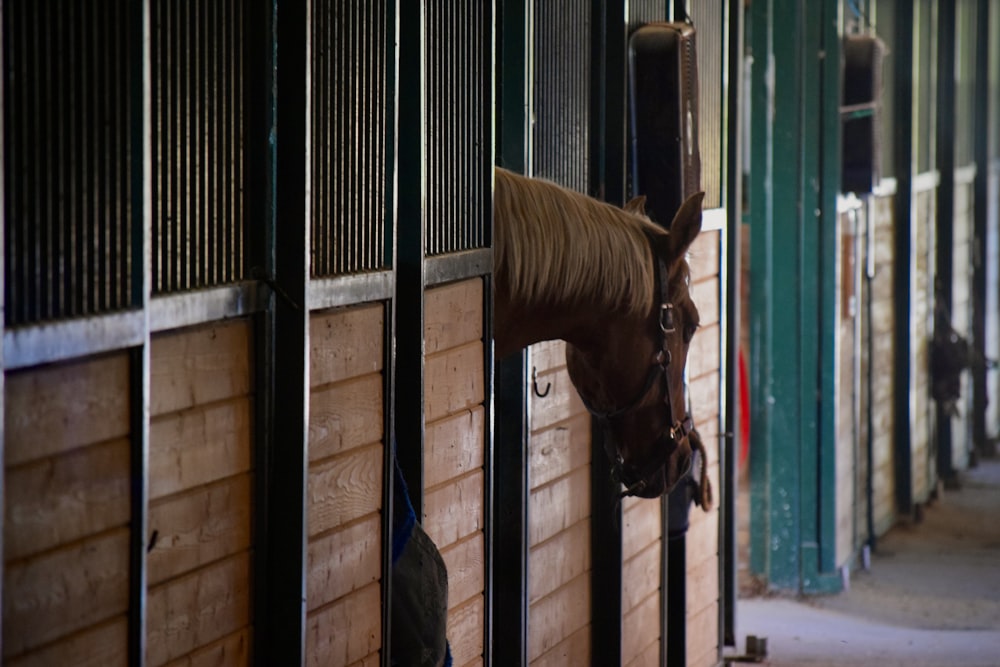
{"type": "Point", "coordinates": [248, 328]}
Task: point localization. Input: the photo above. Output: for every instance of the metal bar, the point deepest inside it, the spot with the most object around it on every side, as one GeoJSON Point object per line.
{"type": "Point", "coordinates": [3, 303]}
{"type": "Point", "coordinates": [184, 309]}
{"type": "Point", "coordinates": [733, 193]}
{"type": "Point", "coordinates": [458, 265]}
{"type": "Point", "coordinates": [285, 611]}
{"type": "Point", "coordinates": [139, 366]}
{"type": "Point", "coordinates": [981, 150]}
{"type": "Point", "coordinates": [902, 251]}
{"type": "Point", "coordinates": [349, 289]}
{"type": "Point", "coordinates": [58, 341]}
{"type": "Point", "coordinates": [944, 242]}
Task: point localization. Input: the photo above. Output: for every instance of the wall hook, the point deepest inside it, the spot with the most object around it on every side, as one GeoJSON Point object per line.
{"type": "Point", "coordinates": [534, 384]}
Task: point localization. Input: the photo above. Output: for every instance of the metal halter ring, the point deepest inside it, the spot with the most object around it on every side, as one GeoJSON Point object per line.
{"type": "Point", "coordinates": [667, 318]}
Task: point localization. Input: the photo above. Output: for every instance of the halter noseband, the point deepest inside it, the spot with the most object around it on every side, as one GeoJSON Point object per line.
{"type": "Point", "coordinates": [678, 429]}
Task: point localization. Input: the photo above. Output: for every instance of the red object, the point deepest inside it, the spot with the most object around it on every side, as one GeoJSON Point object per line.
{"type": "Point", "coordinates": [744, 411]}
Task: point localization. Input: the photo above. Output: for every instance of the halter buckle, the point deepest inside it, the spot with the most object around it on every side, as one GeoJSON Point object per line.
{"type": "Point", "coordinates": [667, 318]}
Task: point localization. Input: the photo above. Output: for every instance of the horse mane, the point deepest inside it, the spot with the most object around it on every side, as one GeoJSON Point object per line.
{"type": "Point", "coordinates": [553, 245]}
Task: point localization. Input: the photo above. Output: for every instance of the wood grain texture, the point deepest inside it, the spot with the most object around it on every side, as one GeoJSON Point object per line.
{"type": "Point", "coordinates": [453, 315]}
{"type": "Point", "coordinates": [559, 449]}
{"type": "Point", "coordinates": [344, 488]}
{"type": "Point", "coordinates": [190, 612]}
{"type": "Point", "coordinates": [705, 295]}
{"type": "Point", "coordinates": [373, 660]}
{"type": "Point", "coordinates": [641, 576]}
{"type": "Point", "coordinates": [345, 343]}
{"type": "Point", "coordinates": [561, 403]}
{"type": "Point", "coordinates": [104, 645]}
{"type": "Point", "coordinates": [199, 366]}
{"type": "Point", "coordinates": [60, 592]}
{"type": "Point", "coordinates": [345, 415]}
{"type": "Point", "coordinates": [573, 651]}
{"type": "Point", "coordinates": [703, 256]}
{"type": "Point", "coordinates": [559, 505]}
{"type": "Point", "coordinates": [640, 628]}
{"type": "Point", "coordinates": [346, 631]}
{"type": "Point", "coordinates": [199, 446]}
{"type": "Point", "coordinates": [231, 651]}
{"type": "Point", "coordinates": [454, 510]}
{"type": "Point", "coordinates": [66, 497]}
{"type": "Point", "coordinates": [641, 519]}
{"type": "Point", "coordinates": [559, 560]}
{"type": "Point", "coordinates": [198, 527]}
{"type": "Point", "coordinates": [343, 561]}
{"type": "Point", "coordinates": [62, 407]}
{"type": "Point", "coordinates": [465, 561]}
{"type": "Point", "coordinates": [649, 657]}
{"type": "Point", "coordinates": [465, 630]}
{"type": "Point", "coordinates": [548, 355]}
{"type": "Point", "coordinates": [559, 615]}
{"type": "Point", "coordinates": [703, 354]}
{"type": "Point", "coordinates": [453, 381]}
{"type": "Point", "coordinates": [454, 446]}
{"type": "Point", "coordinates": [702, 583]}
{"type": "Point", "coordinates": [703, 637]}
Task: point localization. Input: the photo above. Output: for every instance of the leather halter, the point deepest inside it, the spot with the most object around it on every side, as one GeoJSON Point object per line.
{"type": "Point", "coordinates": [678, 429]}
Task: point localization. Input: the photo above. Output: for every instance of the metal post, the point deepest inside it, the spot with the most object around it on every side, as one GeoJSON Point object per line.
{"type": "Point", "coordinates": [981, 204]}
{"type": "Point", "coordinates": [511, 485]}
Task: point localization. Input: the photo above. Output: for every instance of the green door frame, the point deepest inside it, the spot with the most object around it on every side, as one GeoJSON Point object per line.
{"type": "Point", "coordinates": [794, 181]}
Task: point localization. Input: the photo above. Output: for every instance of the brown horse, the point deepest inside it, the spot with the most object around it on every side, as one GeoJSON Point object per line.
{"type": "Point", "coordinates": [615, 287]}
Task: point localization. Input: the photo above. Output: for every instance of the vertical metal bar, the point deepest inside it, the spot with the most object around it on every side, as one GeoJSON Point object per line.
{"type": "Point", "coordinates": [3, 293]}
{"type": "Point", "coordinates": [733, 193]}
{"type": "Point", "coordinates": [138, 57]}
{"type": "Point", "coordinates": [485, 120]}
{"type": "Point", "coordinates": [944, 242]}
{"type": "Point", "coordinates": [902, 250]}
{"type": "Point", "coordinates": [284, 615]}
{"type": "Point", "coordinates": [981, 150]}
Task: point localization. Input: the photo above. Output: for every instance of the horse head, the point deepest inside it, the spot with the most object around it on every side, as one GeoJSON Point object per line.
{"type": "Point", "coordinates": [633, 380]}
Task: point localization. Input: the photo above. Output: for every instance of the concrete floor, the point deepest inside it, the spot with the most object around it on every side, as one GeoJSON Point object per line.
{"type": "Point", "coordinates": [930, 599]}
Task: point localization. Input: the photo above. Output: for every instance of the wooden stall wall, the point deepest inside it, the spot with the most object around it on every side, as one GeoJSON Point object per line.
{"type": "Point", "coordinates": [67, 514]}
{"type": "Point", "coordinates": [992, 259]}
{"type": "Point", "coordinates": [883, 323]}
{"type": "Point", "coordinates": [200, 495]}
{"type": "Point", "coordinates": [642, 551]}
{"type": "Point", "coordinates": [704, 363]}
{"type": "Point", "coordinates": [921, 334]}
{"type": "Point", "coordinates": [344, 501]}
{"type": "Point", "coordinates": [847, 413]}
{"type": "Point", "coordinates": [559, 528]}
{"type": "Point", "coordinates": [961, 313]}
{"type": "Point", "coordinates": [454, 455]}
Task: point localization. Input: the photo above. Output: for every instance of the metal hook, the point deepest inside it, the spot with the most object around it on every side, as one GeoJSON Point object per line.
{"type": "Point", "coordinates": [534, 384]}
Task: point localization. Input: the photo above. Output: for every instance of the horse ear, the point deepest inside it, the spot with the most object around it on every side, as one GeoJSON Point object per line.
{"type": "Point", "coordinates": [686, 225]}
{"type": "Point", "coordinates": [637, 205]}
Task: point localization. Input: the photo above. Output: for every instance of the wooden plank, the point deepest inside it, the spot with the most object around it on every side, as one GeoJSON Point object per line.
{"type": "Point", "coordinates": [454, 510]}
{"type": "Point", "coordinates": [453, 381]}
{"type": "Point", "coordinates": [196, 528]}
{"type": "Point", "coordinates": [642, 519]}
{"type": "Point", "coordinates": [559, 560]}
{"type": "Point", "coordinates": [703, 637]}
{"type": "Point", "coordinates": [465, 561]}
{"type": "Point", "coordinates": [58, 593]}
{"type": "Point", "coordinates": [559, 505]}
{"type": "Point", "coordinates": [703, 256]}
{"type": "Point", "coordinates": [230, 651]}
{"type": "Point", "coordinates": [197, 609]}
{"type": "Point", "coordinates": [345, 343]}
{"type": "Point", "coordinates": [559, 449]}
{"type": "Point", "coordinates": [705, 295]}
{"type": "Point", "coordinates": [548, 355]}
{"type": "Point", "coordinates": [199, 446]}
{"type": "Point", "coordinates": [345, 415]}
{"type": "Point", "coordinates": [373, 660]}
{"type": "Point", "coordinates": [641, 575]}
{"type": "Point", "coordinates": [104, 645]}
{"type": "Point", "coordinates": [346, 631]}
{"type": "Point", "coordinates": [704, 394]}
{"type": "Point", "coordinates": [62, 407]}
{"type": "Point", "coordinates": [570, 652]}
{"type": "Point", "coordinates": [465, 630]}
{"type": "Point", "coordinates": [454, 446]}
{"type": "Point", "coordinates": [199, 366]}
{"type": "Point", "coordinates": [561, 403]}
{"type": "Point", "coordinates": [703, 354]}
{"type": "Point", "coordinates": [703, 536]}
{"type": "Point", "coordinates": [453, 315]}
{"type": "Point", "coordinates": [649, 657]}
{"type": "Point", "coordinates": [66, 497]}
{"type": "Point", "coordinates": [559, 615]}
{"type": "Point", "coordinates": [702, 583]}
{"type": "Point", "coordinates": [640, 628]}
{"type": "Point", "coordinates": [344, 488]}
{"type": "Point", "coordinates": [343, 561]}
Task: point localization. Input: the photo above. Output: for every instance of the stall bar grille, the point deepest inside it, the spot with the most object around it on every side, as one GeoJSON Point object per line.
{"type": "Point", "coordinates": [198, 134]}
{"type": "Point", "coordinates": [67, 158]}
